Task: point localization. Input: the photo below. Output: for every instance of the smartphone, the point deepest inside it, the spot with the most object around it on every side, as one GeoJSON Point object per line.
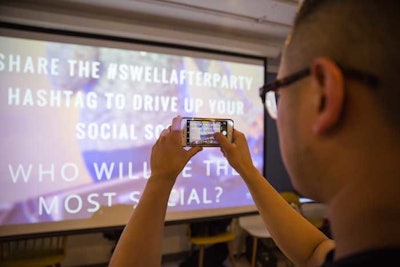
{"type": "Point", "coordinates": [200, 131]}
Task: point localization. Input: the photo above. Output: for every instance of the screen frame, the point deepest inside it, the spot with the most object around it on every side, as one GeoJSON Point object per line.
{"type": "Point", "coordinates": [35, 32]}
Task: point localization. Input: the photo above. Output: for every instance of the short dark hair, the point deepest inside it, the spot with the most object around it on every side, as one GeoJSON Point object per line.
{"type": "Point", "coordinates": [361, 34]}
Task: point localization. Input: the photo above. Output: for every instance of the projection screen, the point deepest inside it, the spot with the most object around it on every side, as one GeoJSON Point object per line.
{"type": "Point", "coordinates": [80, 113]}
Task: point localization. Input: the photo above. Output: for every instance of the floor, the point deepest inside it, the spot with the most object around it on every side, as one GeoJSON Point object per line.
{"type": "Point", "coordinates": [266, 248]}
{"type": "Point", "coordinates": [241, 261]}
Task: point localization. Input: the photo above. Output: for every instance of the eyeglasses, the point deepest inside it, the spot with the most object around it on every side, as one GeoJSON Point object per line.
{"type": "Point", "coordinates": [268, 91]}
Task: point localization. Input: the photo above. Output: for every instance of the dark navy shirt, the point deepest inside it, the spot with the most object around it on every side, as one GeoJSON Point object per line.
{"type": "Point", "coordinates": [378, 257]}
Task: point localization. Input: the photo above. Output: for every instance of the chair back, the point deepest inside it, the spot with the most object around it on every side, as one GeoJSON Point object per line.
{"type": "Point", "coordinates": [292, 198]}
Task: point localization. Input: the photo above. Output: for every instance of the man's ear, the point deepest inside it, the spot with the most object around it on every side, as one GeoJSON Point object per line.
{"type": "Point", "coordinates": [328, 78]}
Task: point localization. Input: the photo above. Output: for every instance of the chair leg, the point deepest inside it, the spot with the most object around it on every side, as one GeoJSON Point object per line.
{"type": "Point", "coordinates": [201, 255]}
{"type": "Point", "coordinates": [231, 253]}
{"type": "Point", "coordinates": [253, 257]}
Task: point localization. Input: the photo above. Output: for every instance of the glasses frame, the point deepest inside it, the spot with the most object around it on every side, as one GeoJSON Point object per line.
{"type": "Point", "coordinates": [272, 87]}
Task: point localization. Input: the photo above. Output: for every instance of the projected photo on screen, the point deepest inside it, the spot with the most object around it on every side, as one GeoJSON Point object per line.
{"type": "Point", "coordinates": [79, 121]}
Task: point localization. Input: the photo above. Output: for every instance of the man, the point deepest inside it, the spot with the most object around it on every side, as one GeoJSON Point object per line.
{"type": "Point", "coordinates": [338, 121]}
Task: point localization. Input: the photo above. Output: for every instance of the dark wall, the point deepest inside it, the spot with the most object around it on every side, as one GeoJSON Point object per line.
{"type": "Point", "coordinates": [274, 169]}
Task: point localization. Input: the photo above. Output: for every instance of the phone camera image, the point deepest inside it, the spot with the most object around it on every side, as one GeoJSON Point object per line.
{"type": "Point", "coordinates": [201, 132]}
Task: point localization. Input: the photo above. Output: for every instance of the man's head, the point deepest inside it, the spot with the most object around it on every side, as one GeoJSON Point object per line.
{"type": "Point", "coordinates": [328, 107]}
{"type": "Point", "coordinates": [361, 34]}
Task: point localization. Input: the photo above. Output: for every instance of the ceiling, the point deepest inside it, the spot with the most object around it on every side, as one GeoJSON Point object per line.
{"type": "Point", "coordinates": [235, 23]}
{"type": "Point", "coordinates": [272, 17]}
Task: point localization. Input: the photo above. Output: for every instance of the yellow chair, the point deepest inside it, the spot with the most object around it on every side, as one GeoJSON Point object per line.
{"type": "Point", "coordinates": [34, 252]}
{"type": "Point", "coordinates": [316, 222]}
{"type": "Point", "coordinates": [225, 237]}
{"type": "Point", "coordinates": [294, 200]}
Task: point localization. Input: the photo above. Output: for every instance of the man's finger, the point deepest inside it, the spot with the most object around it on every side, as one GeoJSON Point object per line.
{"type": "Point", "coordinates": [164, 132]}
{"type": "Point", "coordinates": [176, 123]}
{"type": "Point", "coordinates": [222, 140]}
{"type": "Point", "coordinates": [194, 150]}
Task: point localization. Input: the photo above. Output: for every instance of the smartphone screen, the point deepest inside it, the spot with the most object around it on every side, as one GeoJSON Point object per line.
{"type": "Point", "coordinates": [200, 132]}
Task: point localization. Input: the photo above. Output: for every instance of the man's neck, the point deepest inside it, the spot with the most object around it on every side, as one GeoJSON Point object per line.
{"type": "Point", "coordinates": [365, 217]}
